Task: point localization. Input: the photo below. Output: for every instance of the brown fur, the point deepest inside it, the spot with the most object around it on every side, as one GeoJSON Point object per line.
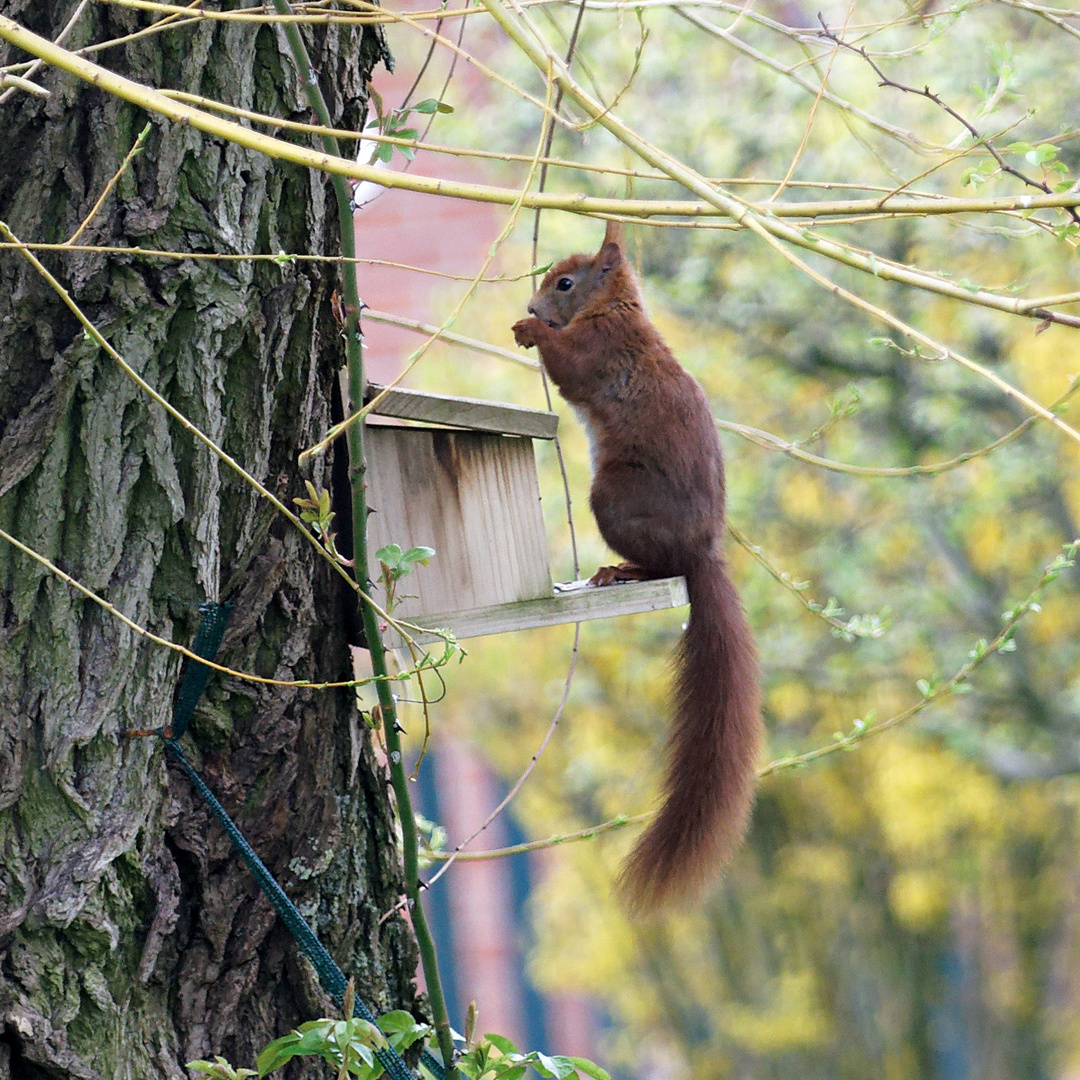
{"type": "Point", "coordinates": [658, 498]}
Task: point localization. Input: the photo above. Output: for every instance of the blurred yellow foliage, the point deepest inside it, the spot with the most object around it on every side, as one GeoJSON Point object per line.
{"type": "Point", "coordinates": [791, 1019]}
{"type": "Point", "coordinates": [921, 888]}
{"type": "Point", "coordinates": [788, 701]}
{"type": "Point", "coordinates": [804, 497]}
{"type": "Point", "coordinates": [920, 899]}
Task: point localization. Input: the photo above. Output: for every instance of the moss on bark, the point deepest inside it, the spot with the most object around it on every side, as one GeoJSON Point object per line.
{"type": "Point", "coordinates": [131, 938]}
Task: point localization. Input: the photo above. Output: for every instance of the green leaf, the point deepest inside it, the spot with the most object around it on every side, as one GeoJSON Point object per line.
{"type": "Point", "coordinates": [275, 1054]}
{"type": "Point", "coordinates": [1042, 154]}
{"type": "Point", "coordinates": [391, 555]}
{"type": "Point", "coordinates": [398, 1020]}
{"type": "Point", "coordinates": [220, 1069]}
{"type": "Point", "coordinates": [366, 1055]}
{"type": "Point", "coordinates": [468, 1065]}
{"type": "Point", "coordinates": [420, 554]}
{"type": "Point", "coordinates": [502, 1043]}
{"type": "Point", "coordinates": [558, 1066]}
{"type": "Point", "coordinates": [369, 1034]}
{"type": "Point", "coordinates": [589, 1068]}
{"type": "Point", "coordinates": [313, 1040]}
{"type": "Point", "coordinates": [402, 1029]}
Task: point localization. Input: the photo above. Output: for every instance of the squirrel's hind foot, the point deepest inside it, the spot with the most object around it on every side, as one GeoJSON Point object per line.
{"type": "Point", "coordinates": [612, 575]}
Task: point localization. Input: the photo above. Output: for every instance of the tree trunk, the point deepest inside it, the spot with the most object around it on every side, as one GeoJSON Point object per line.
{"type": "Point", "coordinates": [131, 937]}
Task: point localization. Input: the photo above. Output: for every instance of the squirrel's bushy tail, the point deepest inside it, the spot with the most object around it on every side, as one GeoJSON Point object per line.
{"type": "Point", "coordinates": [712, 750]}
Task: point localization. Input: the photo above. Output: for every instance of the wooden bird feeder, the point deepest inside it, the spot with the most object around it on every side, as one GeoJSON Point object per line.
{"type": "Point", "coordinates": [459, 475]}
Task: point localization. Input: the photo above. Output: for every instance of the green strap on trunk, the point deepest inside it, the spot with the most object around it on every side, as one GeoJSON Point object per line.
{"type": "Point", "coordinates": [215, 618]}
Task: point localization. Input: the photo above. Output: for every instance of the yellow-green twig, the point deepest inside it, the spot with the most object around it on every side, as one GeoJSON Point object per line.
{"type": "Point", "coordinates": [711, 206]}
{"type": "Point", "coordinates": [449, 336]}
{"type": "Point", "coordinates": [772, 442]}
{"type": "Point", "coordinates": [205, 439]}
{"type": "Point", "coordinates": [767, 227]}
{"type": "Point", "coordinates": [775, 233]}
{"type": "Point", "coordinates": [538, 845]}
{"type": "Point", "coordinates": [358, 416]}
{"type": "Point", "coordinates": [134, 152]}
{"type": "Point", "coordinates": [246, 676]}
{"type": "Point", "coordinates": [861, 730]}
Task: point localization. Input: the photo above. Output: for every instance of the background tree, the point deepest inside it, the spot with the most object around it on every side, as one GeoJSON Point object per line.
{"type": "Point", "coordinates": [132, 938]}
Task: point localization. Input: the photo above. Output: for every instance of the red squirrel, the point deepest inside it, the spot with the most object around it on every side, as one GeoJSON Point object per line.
{"type": "Point", "coordinates": [658, 499]}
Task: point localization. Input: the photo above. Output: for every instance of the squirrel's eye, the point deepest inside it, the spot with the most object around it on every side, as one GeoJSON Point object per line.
{"type": "Point", "coordinates": [564, 284]}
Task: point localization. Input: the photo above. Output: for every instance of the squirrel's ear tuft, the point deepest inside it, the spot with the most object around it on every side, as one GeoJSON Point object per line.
{"type": "Point", "coordinates": [611, 250]}
{"type": "Point", "coordinates": [613, 234]}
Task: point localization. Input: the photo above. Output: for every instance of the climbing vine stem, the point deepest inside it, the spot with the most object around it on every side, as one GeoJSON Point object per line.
{"type": "Point", "coordinates": [387, 704]}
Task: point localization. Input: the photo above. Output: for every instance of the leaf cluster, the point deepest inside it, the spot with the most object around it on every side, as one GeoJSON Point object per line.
{"type": "Point", "coordinates": [395, 123]}
{"type": "Point", "coordinates": [348, 1045]}
{"type": "Point", "coordinates": [495, 1057]}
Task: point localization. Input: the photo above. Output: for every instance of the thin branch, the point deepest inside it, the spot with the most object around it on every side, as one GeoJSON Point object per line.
{"type": "Point", "coordinates": [714, 205]}
{"type": "Point", "coordinates": [442, 334]}
{"type": "Point", "coordinates": [768, 228]}
{"type": "Point", "coordinates": [908, 138]}
{"type": "Point", "coordinates": [539, 845]}
{"type": "Point", "coordinates": [401, 627]}
{"type": "Point", "coordinates": [861, 729]}
{"type": "Point", "coordinates": [978, 655]}
{"type": "Point", "coordinates": [771, 231]}
{"type": "Point", "coordinates": [560, 458]}
{"type": "Point", "coordinates": [858, 626]}
{"type": "Point", "coordinates": [368, 608]}
{"type": "Point", "coordinates": [1051, 15]}
{"type": "Point", "coordinates": [245, 676]}
{"type": "Point", "coordinates": [132, 154]}
{"type": "Point", "coordinates": [356, 418]}
{"type": "Point", "coordinates": [809, 126]}
{"type": "Point", "coordinates": [24, 82]}
{"type": "Point", "coordinates": [171, 409]}
{"type": "Point", "coordinates": [926, 92]}
{"type": "Point", "coordinates": [17, 82]}
{"type": "Point", "coordinates": [282, 258]}
{"type": "Point", "coordinates": [773, 442]}
{"type": "Point", "coordinates": [427, 60]}
{"type": "Point", "coordinates": [257, 16]}
{"type": "Point", "coordinates": [489, 73]}
{"type": "Point", "coordinates": [458, 852]}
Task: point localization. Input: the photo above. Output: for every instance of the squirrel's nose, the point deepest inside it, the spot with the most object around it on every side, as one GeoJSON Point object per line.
{"type": "Point", "coordinates": [531, 310]}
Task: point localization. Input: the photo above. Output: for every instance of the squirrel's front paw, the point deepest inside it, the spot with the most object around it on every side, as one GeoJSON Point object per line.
{"type": "Point", "coordinates": [525, 332]}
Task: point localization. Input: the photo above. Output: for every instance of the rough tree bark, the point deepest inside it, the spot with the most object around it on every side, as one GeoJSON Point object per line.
{"type": "Point", "coordinates": [131, 938]}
